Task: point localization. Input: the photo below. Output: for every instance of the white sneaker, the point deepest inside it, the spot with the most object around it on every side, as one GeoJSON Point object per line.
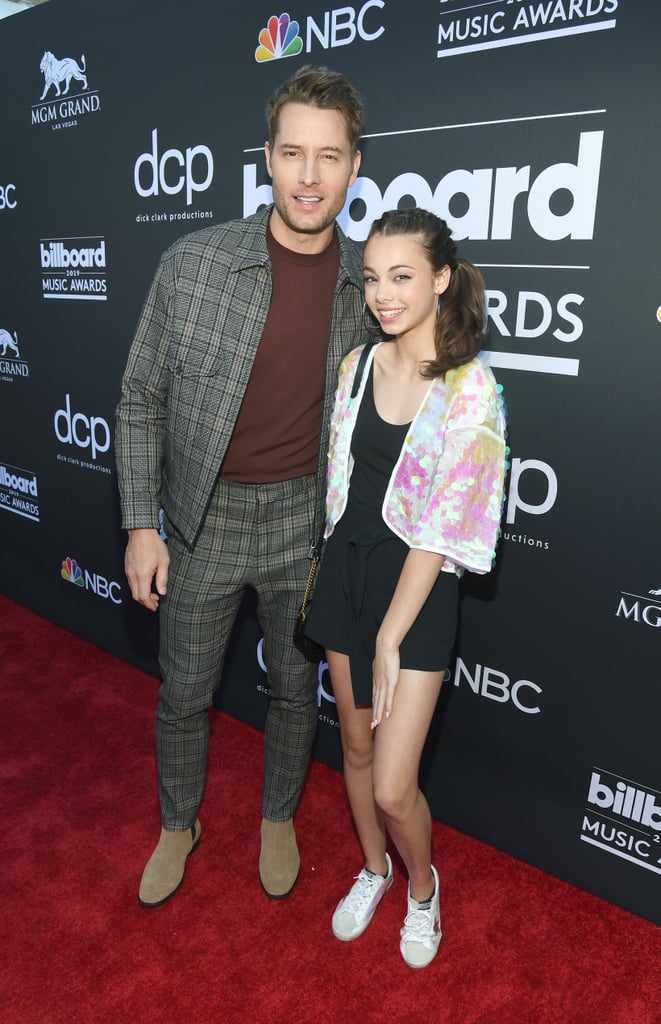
{"type": "Point", "coordinates": [355, 910]}
{"type": "Point", "coordinates": [421, 934]}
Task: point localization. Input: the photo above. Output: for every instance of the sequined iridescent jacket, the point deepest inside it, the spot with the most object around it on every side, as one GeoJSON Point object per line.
{"type": "Point", "coordinates": [446, 490]}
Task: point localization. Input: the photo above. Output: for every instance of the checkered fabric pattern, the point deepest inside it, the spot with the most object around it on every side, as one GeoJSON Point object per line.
{"type": "Point", "coordinates": [254, 535]}
{"type": "Point", "coordinates": [190, 362]}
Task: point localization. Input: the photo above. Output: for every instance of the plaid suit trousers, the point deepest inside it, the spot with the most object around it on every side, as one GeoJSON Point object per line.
{"type": "Point", "coordinates": [253, 535]}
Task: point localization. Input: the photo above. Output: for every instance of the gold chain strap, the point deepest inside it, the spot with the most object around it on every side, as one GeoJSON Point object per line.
{"type": "Point", "coordinates": [314, 565]}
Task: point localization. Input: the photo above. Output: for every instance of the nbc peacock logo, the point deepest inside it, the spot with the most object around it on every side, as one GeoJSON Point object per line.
{"type": "Point", "coordinates": [92, 582]}
{"type": "Point", "coordinates": [279, 38]}
{"type": "Point", "coordinates": [71, 572]}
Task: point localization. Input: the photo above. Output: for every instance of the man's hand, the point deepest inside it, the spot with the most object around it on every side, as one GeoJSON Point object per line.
{"type": "Point", "coordinates": [146, 559]}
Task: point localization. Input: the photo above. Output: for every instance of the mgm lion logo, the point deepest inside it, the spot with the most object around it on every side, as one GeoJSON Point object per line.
{"type": "Point", "coordinates": [6, 341]}
{"type": "Point", "coordinates": [57, 71]}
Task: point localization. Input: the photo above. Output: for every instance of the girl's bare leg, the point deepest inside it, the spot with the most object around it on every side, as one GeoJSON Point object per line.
{"type": "Point", "coordinates": [358, 751]}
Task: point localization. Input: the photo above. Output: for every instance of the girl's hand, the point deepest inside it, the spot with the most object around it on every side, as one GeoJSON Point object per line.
{"type": "Point", "coordinates": [385, 673]}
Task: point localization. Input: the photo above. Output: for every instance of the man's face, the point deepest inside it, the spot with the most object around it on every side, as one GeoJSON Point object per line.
{"type": "Point", "coordinates": [311, 168]}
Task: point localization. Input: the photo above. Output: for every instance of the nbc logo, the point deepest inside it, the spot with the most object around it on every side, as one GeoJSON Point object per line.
{"type": "Point", "coordinates": [99, 585]}
{"type": "Point", "coordinates": [71, 572]}
{"type": "Point", "coordinates": [278, 39]}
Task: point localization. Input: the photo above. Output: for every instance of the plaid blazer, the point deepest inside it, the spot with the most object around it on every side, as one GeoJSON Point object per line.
{"type": "Point", "coordinates": [190, 361]}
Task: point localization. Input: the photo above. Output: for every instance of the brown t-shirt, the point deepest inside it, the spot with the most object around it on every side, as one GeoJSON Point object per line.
{"type": "Point", "coordinates": [276, 435]}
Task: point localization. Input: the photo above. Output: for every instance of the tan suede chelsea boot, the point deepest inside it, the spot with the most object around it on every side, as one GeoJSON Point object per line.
{"type": "Point", "coordinates": [279, 861]}
{"type": "Point", "coordinates": [164, 871]}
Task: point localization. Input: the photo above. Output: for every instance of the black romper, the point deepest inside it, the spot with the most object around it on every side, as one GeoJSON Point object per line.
{"type": "Point", "coordinates": [362, 563]}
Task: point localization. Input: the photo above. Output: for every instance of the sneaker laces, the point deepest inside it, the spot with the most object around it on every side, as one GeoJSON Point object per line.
{"type": "Point", "coordinates": [360, 894]}
{"type": "Point", "coordinates": [419, 927]}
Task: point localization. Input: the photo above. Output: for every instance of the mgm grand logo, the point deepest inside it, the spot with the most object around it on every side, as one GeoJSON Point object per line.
{"type": "Point", "coordinates": [11, 364]}
{"type": "Point", "coordinates": [58, 105]}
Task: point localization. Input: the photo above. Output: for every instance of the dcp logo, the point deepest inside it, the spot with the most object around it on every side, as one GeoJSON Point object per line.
{"type": "Point", "coordinates": [540, 473]}
{"type": "Point", "coordinates": [83, 431]}
{"type": "Point", "coordinates": [174, 171]}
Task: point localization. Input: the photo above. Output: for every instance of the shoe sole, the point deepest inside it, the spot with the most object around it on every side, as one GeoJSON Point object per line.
{"type": "Point", "coordinates": [159, 903]}
{"type": "Point", "coordinates": [355, 935]}
{"type": "Point", "coordinates": [419, 966]}
{"type": "Point", "coordinates": [279, 895]}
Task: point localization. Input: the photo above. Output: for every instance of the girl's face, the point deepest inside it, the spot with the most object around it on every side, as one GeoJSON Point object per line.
{"type": "Point", "coordinates": [401, 288]}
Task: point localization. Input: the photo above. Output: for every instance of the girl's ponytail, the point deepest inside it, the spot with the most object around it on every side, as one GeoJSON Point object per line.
{"type": "Point", "coordinates": [460, 323]}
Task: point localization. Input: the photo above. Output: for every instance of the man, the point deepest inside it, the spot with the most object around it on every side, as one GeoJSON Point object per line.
{"type": "Point", "coordinates": [223, 422]}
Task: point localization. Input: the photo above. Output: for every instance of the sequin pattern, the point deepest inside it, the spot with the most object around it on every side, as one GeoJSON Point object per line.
{"type": "Point", "coordinates": [446, 490]}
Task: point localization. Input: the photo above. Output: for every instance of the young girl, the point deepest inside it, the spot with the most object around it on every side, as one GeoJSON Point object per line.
{"type": "Point", "coordinates": [416, 469]}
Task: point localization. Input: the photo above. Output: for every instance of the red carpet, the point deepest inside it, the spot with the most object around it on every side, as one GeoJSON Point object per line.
{"type": "Point", "coordinates": [519, 947]}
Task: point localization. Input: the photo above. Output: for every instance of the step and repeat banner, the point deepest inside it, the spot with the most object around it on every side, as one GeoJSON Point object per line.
{"type": "Point", "coordinates": [532, 127]}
